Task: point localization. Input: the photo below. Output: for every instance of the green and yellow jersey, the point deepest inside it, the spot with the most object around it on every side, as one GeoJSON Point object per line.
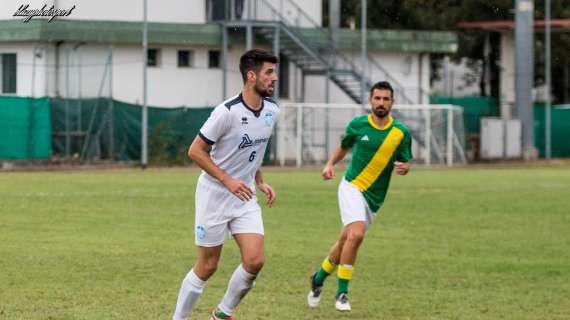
{"type": "Point", "coordinates": [374, 151]}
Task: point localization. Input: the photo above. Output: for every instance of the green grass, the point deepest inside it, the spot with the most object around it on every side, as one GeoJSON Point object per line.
{"type": "Point", "coordinates": [449, 244]}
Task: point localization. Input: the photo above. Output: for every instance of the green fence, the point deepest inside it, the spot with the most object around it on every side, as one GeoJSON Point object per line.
{"type": "Point", "coordinates": [25, 129]}
{"type": "Point", "coordinates": [109, 129]}
{"type": "Point", "coordinates": [474, 108]}
{"type": "Point", "coordinates": [560, 128]}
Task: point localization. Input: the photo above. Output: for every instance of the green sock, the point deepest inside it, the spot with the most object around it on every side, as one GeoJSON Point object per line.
{"type": "Point", "coordinates": [320, 277]}
{"type": "Point", "coordinates": [327, 267]}
{"type": "Point", "coordinates": [342, 287]}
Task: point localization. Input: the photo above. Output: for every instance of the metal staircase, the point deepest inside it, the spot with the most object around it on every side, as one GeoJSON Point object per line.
{"type": "Point", "coordinates": [311, 48]}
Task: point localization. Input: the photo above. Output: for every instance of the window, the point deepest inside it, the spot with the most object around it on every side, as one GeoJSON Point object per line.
{"type": "Point", "coordinates": [153, 57]}
{"type": "Point", "coordinates": [8, 72]}
{"type": "Point", "coordinates": [214, 59]}
{"type": "Point", "coordinates": [283, 77]}
{"type": "Point", "coordinates": [185, 58]}
{"type": "Point", "coordinates": [216, 10]}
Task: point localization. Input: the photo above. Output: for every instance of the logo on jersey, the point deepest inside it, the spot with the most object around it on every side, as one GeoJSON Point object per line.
{"type": "Point", "coordinates": [269, 119]}
{"type": "Point", "coordinates": [247, 142]}
{"type": "Point", "coordinates": [364, 138]}
{"type": "Point", "coordinates": [244, 120]}
{"type": "Point", "coordinates": [200, 232]}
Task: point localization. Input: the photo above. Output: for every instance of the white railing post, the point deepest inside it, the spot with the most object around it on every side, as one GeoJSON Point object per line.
{"type": "Point", "coordinates": [282, 133]}
{"type": "Point", "coordinates": [427, 114]}
{"type": "Point", "coordinates": [299, 136]}
{"type": "Point", "coordinates": [449, 136]}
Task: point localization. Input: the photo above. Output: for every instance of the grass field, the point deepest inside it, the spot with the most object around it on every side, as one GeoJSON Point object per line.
{"type": "Point", "coordinates": [449, 244]}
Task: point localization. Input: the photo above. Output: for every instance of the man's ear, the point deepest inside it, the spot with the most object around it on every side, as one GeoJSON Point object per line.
{"type": "Point", "coordinates": [251, 74]}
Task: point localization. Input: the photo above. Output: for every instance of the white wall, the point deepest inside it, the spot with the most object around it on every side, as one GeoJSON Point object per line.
{"type": "Point", "coordinates": [169, 85]}
{"type": "Point", "coordinates": [24, 67]}
{"type": "Point", "coordinates": [83, 68]}
{"type": "Point", "coordinates": [175, 11]}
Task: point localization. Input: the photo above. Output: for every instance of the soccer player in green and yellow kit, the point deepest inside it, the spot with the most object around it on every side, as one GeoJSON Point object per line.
{"type": "Point", "coordinates": [380, 145]}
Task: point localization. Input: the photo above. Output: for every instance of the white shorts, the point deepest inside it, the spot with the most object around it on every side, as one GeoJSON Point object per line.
{"type": "Point", "coordinates": [353, 206]}
{"type": "Point", "coordinates": [220, 213]}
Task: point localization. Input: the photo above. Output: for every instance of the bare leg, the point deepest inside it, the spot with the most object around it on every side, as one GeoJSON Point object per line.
{"type": "Point", "coordinates": [353, 235]}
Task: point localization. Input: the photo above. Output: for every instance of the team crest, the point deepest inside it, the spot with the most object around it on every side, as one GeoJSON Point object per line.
{"type": "Point", "coordinates": [269, 119]}
{"type": "Point", "coordinates": [200, 232]}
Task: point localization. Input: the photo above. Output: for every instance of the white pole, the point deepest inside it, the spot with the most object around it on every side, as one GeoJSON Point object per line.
{"type": "Point", "coordinates": [363, 53]}
{"type": "Point", "coordinates": [299, 137]}
{"type": "Point", "coordinates": [427, 113]}
{"type": "Point", "coordinates": [282, 133]}
{"type": "Point", "coordinates": [144, 120]}
{"type": "Point", "coordinates": [548, 115]}
{"type": "Point", "coordinates": [33, 93]}
{"type": "Point", "coordinates": [449, 136]}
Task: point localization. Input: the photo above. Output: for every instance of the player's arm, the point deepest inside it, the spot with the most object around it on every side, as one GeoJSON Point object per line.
{"type": "Point", "coordinates": [199, 153]}
{"type": "Point", "coordinates": [338, 154]}
{"type": "Point", "coordinates": [265, 188]}
{"type": "Point", "coordinates": [403, 155]}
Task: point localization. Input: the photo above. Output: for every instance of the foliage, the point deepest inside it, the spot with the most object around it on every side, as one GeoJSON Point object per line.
{"type": "Point", "coordinates": [446, 14]}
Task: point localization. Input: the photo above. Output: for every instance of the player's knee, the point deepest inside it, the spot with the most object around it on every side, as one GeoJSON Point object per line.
{"type": "Point", "coordinates": [209, 267]}
{"type": "Point", "coordinates": [254, 264]}
{"type": "Point", "coordinates": [356, 236]}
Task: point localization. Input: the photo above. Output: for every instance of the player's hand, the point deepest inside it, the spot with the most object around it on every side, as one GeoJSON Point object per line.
{"type": "Point", "coordinates": [328, 172]}
{"type": "Point", "coordinates": [238, 188]}
{"type": "Point", "coordinates": [265, 188]}
{"type": "Point", "coordinates": [401, 168]}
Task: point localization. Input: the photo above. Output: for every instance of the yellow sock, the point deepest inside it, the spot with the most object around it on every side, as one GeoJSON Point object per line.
{"type": "Point", "coordinates": [328, 266]}
{"type": "Point", "coordinates": [345, 271]}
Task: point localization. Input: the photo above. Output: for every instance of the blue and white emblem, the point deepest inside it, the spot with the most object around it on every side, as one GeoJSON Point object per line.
{"type": "Point", "coordinates": [200, 232]}
{"type": "Point", "coordinates": [269, 119]}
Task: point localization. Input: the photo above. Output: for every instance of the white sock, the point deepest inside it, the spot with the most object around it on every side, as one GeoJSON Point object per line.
{"type": "Point", "coordinates": [190, 291]}
{"type": "Point", "coordinates": [240, 284]}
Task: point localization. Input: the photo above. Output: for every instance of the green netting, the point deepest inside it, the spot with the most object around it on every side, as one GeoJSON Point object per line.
{"type": "Point", "coordinates": [474, 108]}
{"type": "Point", "coordinates": [109, 129]}
{"type": "Point", "coordinates": [560, 126]}
{"type": "Point", "coordinates": [25, 130]}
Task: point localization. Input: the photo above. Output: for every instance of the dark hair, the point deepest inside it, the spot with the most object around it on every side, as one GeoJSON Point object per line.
{"type": "Point", "coordinates": [253, 60]}
{"type": "Point", "coordinates": [382, 85]}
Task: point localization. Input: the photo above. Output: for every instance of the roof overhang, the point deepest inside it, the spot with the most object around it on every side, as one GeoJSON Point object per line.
{"type": "Point", "coordinates": [210, 34]}
{"type": "Point", "coordinates": [556, 25]}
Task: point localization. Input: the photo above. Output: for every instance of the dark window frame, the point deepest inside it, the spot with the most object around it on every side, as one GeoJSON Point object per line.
{"type": "Point", "coordinates": [154, 62]}
{"type": "Point", "coordinates": [214, 59]}
{"type": "Point", "coordinates": [189, 59]}
{"type": "Point", "coordinates": [9, 71]}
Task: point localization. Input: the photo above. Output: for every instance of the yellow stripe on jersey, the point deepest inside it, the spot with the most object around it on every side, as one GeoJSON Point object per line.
{"type": "Point", "coordinates": [379, 161]}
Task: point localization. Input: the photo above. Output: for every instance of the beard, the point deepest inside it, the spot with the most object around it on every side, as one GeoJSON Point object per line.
{"type": "Point", "coordinates": [380, 112]}
{"type": "Point", "coordinates": [267, 92]}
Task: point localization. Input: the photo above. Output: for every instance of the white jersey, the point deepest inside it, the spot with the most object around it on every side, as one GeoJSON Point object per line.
{"type": "Point", "coordinates": [239, 136]}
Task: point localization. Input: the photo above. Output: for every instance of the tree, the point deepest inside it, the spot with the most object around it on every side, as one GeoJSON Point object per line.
{"type": "Point", "coordinates": [445, 15]}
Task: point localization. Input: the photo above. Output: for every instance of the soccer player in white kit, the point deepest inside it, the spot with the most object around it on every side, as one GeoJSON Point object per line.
{"type": "Point", "coordinates": [237, 132]}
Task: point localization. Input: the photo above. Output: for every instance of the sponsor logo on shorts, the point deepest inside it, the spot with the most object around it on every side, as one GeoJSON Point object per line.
{"type": "Point", "coordinates": [200, 232]}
